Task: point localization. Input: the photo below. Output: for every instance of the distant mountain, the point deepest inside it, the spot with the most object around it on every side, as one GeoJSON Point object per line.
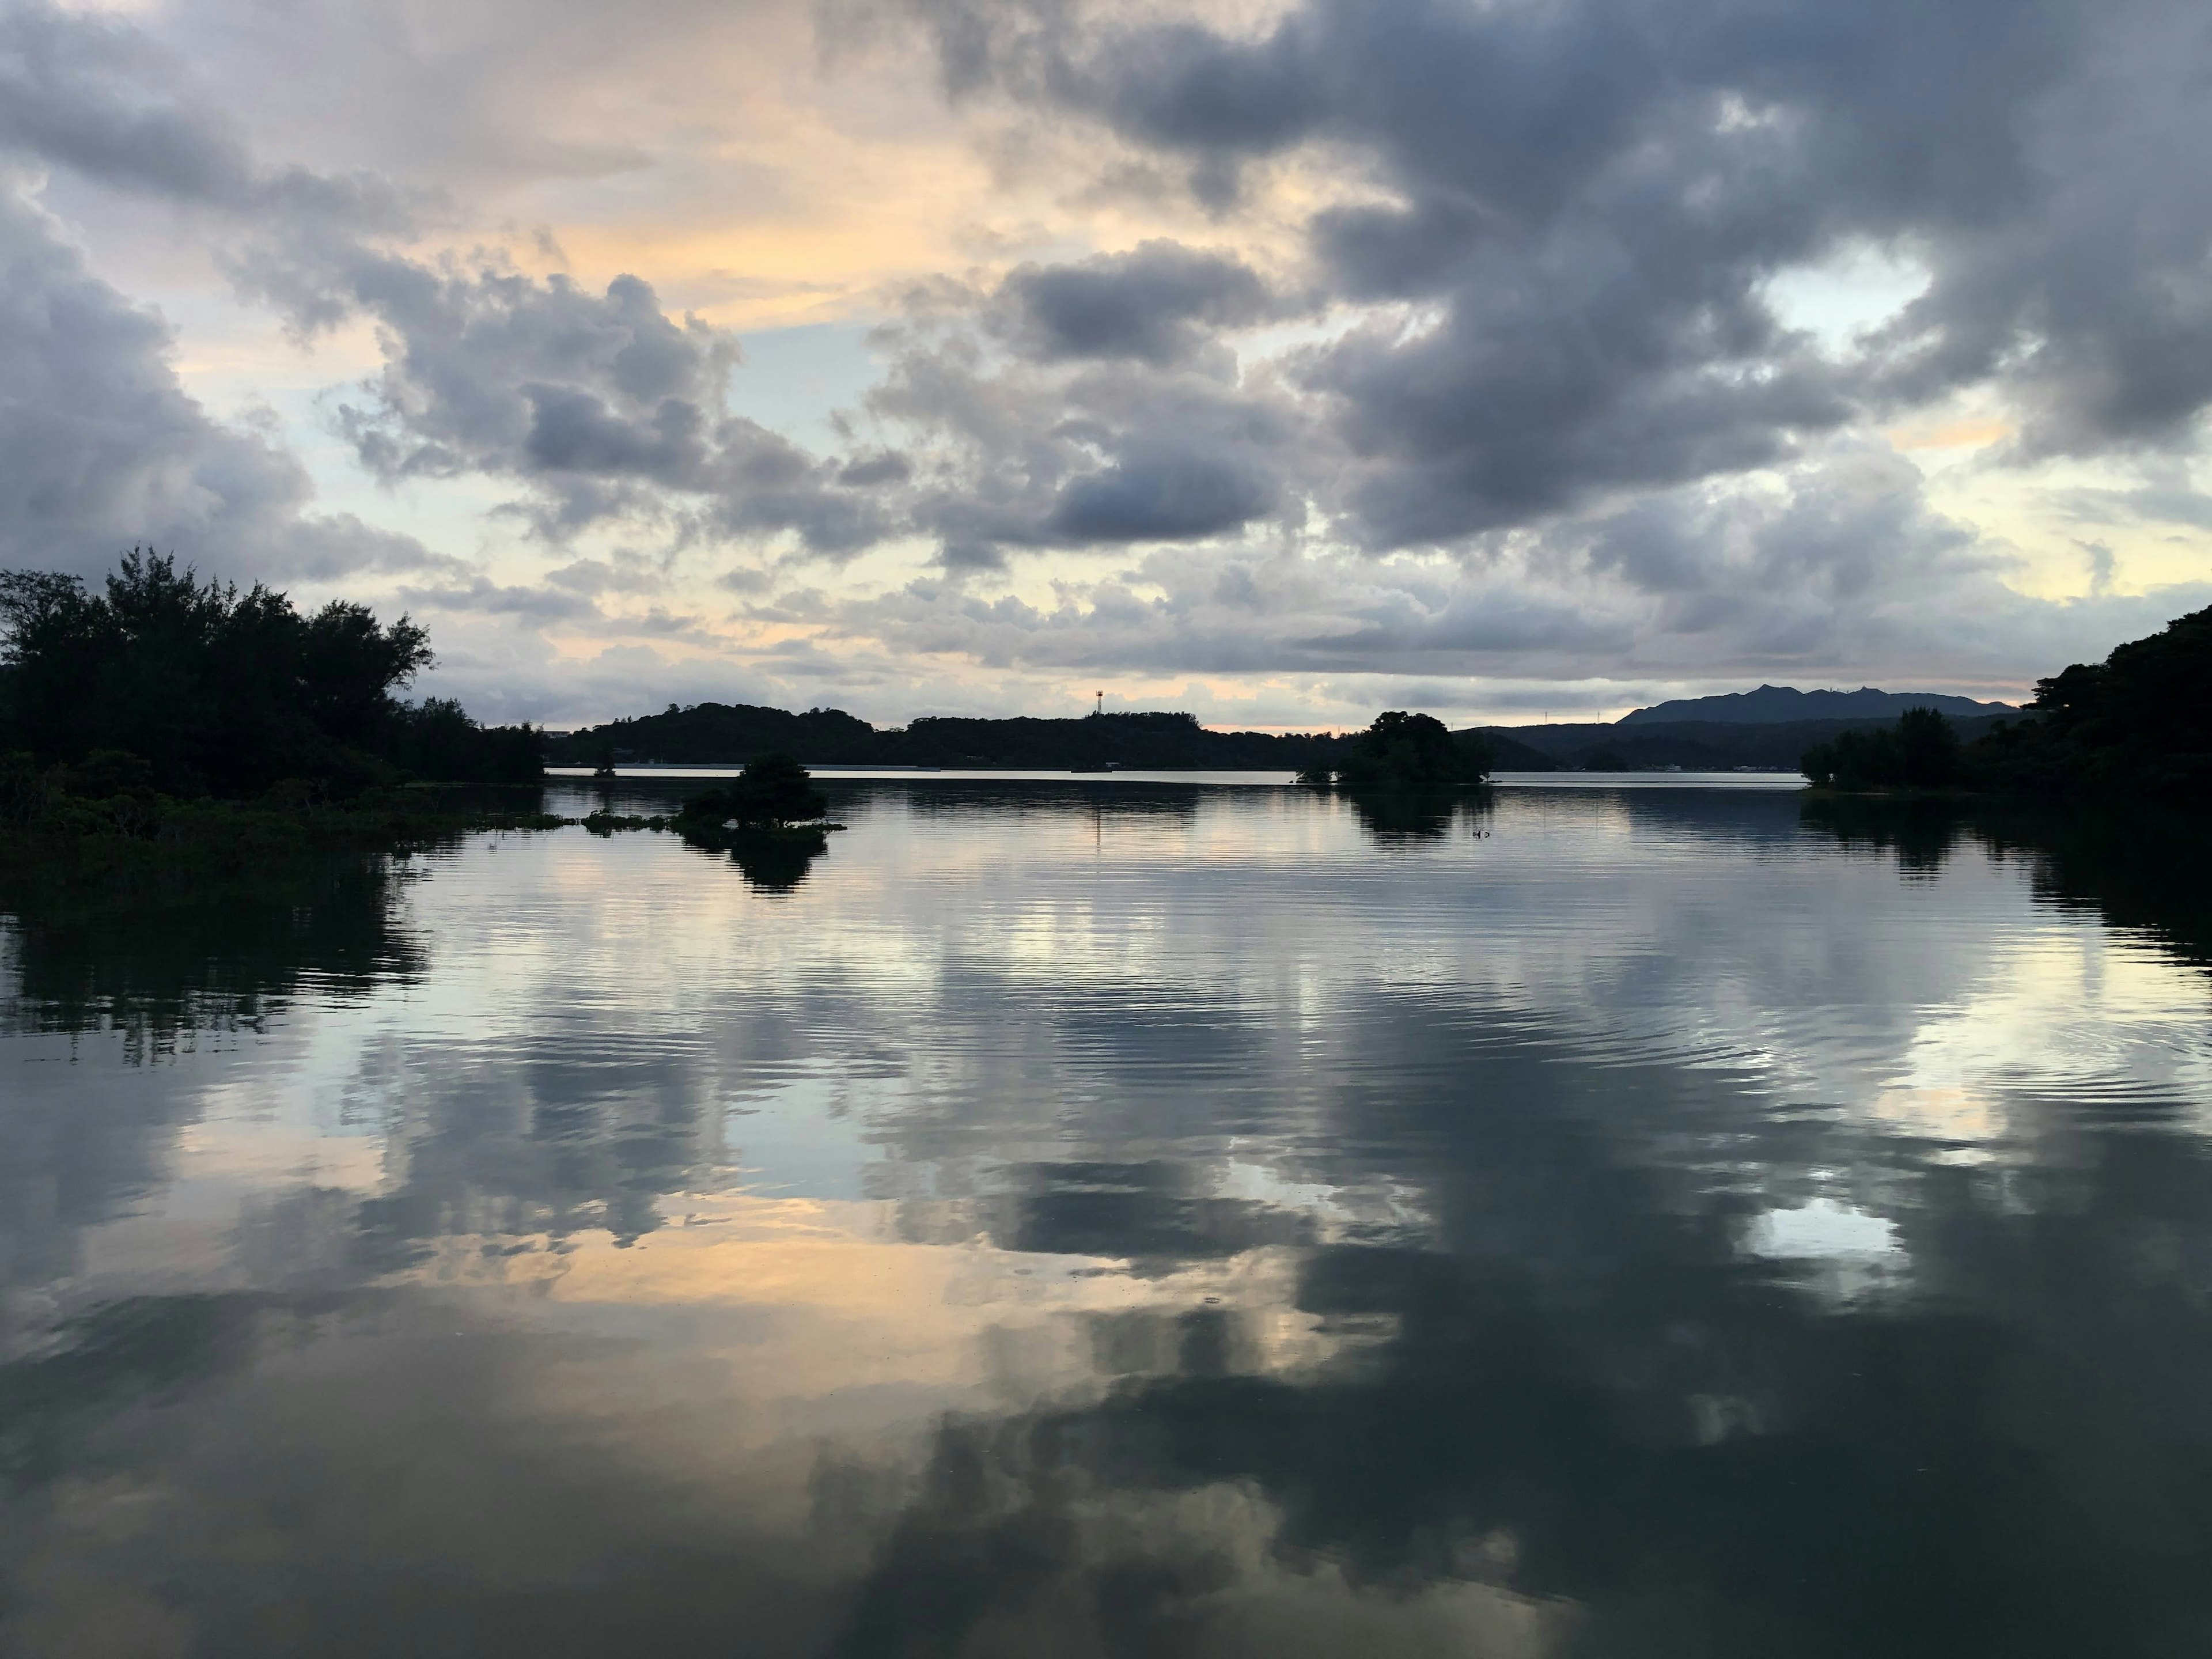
{"type": "Point", "coordinates": [1774, 704]}
{"type": "Point", "coordinates": [1691, 745]}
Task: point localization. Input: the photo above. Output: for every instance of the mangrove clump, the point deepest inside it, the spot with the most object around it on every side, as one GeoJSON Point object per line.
{"type": "Point", "coordinates": [1408, 752]}
{"type": "Point", "coordinates": [774, 791]}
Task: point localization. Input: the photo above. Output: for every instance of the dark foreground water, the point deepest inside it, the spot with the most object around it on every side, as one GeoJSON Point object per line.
{"type": "Point", "coordinates": [1123, 1218]}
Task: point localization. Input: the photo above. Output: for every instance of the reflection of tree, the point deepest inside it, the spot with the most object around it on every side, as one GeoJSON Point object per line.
{"type": "Point", "coordinates": [1921, 832]}
{"type": "Point", "coordinates": [202, 960]}
{"type": "Point", "coordinates": [777, 863]}
{"type": "Point", "coordinates": [2145, 867]}
{"type": "Point", "coordinates": [198, 956]}
{"type": "Point", "coordinates": [772, 860]}
{"type": "Point", "coordinates": [1395, 814]}
{"type": "Point", "coordinates": [1419, 814]}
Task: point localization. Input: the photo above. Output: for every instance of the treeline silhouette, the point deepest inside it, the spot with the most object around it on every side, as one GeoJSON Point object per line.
{"type": "Point", "coordinates": [160, 681]}
{"type": "Point", "coordinates": [714, 734]}
{"type": "Point", "coordinates": [2137, 724]}
{"type": "Point", "coordinates": [1921, 752]}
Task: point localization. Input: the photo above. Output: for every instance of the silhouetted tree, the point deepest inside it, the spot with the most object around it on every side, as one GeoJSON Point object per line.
{"type": "Point", "coordinates": [1921, 752]}
{"type": "Point", "coordinates": [2139, 723]}
{"type": "Point", "coordinates": [772, 793]}
{"type": "Point", "coordinates": [1402, 750]}
{"type": "Point", "coordinates": [224, 691]}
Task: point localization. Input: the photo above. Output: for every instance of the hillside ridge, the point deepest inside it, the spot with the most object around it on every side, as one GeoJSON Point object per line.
{"type": "Point", "coordinates": [1775, 705]}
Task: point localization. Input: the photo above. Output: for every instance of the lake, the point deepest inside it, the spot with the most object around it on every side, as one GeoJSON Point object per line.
{"type": "Point", "coordinates": [1123, 1216]}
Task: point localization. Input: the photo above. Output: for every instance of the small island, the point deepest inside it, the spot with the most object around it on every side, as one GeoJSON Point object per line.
{"type": "Point", "coordinates": [1408, 753]}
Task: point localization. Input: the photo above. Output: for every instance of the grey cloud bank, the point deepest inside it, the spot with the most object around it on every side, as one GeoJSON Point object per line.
{"type": "Point", "coordinates": [1509, 397]}
{"type": "Point", "coordinates": [1592, 194]}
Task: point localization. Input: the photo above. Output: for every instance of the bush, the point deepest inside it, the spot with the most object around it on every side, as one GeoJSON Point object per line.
{"type": "Point", "coordinates": [772, 793]}
{"type": "Point", "coordinates": [1402, 750]}
{"type": "Point", "coordinates": [437, 740]}
{"type": "Point", "coordinates": [1921, 752]}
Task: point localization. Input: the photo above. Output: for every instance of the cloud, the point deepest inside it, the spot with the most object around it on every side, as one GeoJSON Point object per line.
{"type": "Point", "coordinates": [104, 99]}
{"type": "Point", "coordinates": [1835, 567]}
{"type": "Point", "coordinates": [106, 447]}
{"type": "Point", "coordinates": [105, 450]}
{"type": "Point", "coordinates": [600, 403]}
{"type": "Point", "coordinates": [1157, 304]}
{"type": "Point", "coordinates": [1161, 495]}
{"type": "Point", "coordinates": [75, 90]}
{"type": "Point", "coordinates": [482, 594]}
{"type": "Point", "coordinates": [1588, 200]}
{"type": "Point", "coordinates": [1427, 339]}
{"type": "Point", "coordinates": [1094, 453]}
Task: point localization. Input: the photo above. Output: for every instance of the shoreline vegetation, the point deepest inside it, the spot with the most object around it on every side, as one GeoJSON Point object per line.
{"type": "Point", "coordinates": [162, 720]}
{"type": "Point", "coordinates": [2134, 727]}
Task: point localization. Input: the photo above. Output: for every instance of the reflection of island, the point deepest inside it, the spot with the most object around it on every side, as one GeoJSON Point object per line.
{"type": "Point", "coordinates": [769, 818]}
{"type": "Point", "coordinates": [771, 860]}
{"type": "Point", "coordinates": [1399, 814]}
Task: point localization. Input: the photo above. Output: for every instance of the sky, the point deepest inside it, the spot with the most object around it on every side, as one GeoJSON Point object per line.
{"type": "Point", "coordinates": [1282, 362]}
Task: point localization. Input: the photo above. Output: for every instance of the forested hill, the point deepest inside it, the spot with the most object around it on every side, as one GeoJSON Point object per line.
{"type": "Point", "coordinates": [1771, 705]}
{"type": "Point", "coordinates": [714, 734]}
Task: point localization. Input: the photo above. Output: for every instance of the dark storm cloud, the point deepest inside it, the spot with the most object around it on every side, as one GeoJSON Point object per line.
{"type": "Point", "coordinates": [1156, 304]}
{"type": "Point", "coordinates": [1162, 496]}
{"type": "Point", "coordinates": [1591, 196]}
{"type": "Point", "coordinates": [1092, 454]}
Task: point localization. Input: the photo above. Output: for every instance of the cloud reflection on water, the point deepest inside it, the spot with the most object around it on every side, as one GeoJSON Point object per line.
{"type": "Point", "coordinates": [1178, 1222]}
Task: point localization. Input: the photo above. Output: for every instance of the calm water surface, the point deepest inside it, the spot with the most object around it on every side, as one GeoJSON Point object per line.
{"type": "Point", "coordinates": [1100, 1218]}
